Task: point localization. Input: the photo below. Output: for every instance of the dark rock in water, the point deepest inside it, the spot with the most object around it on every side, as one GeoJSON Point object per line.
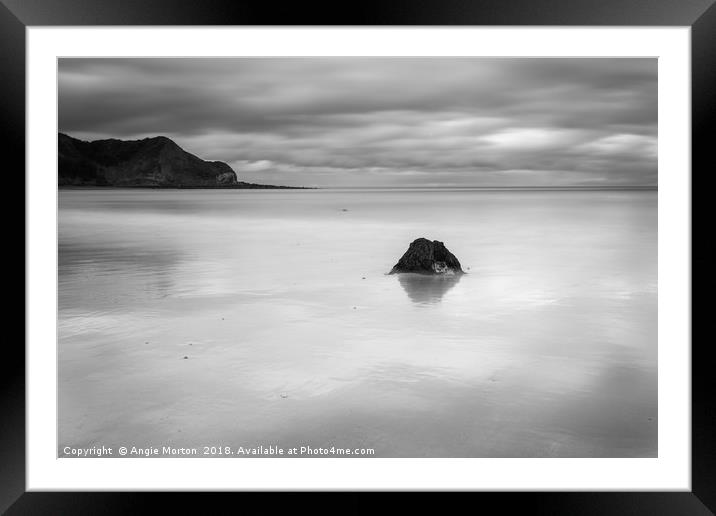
{"type": "Point", "coordinates": [428, 257]}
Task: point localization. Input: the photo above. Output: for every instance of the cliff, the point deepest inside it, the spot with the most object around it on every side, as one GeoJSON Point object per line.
{"type": "Point", "coordinates": [151, 162]}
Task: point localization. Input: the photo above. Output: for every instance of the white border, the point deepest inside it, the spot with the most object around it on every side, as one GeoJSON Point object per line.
{"type": "Point", "coordinates": [670, 471]}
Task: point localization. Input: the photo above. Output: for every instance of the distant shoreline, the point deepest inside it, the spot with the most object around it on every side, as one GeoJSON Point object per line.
{"type": "Point", "coordinates": [247, 186]}
{"type": "Point", "coordinates": [500, 188]}
{"type": "Point", "coordinates": [251, 186]}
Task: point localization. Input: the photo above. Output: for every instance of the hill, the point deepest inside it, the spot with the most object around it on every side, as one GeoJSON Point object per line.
{"type": "Point", "coordinates": [152, 162]}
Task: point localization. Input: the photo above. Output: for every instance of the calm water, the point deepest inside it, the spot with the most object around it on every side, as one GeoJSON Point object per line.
{"type": "Point", "coordinates": [295, 336]}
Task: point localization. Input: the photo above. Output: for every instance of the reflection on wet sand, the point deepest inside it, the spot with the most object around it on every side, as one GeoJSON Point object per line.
{"type": "Point", "coordinates": [425, 289]}
{"type": "Point", "coordinates": [88, 274]}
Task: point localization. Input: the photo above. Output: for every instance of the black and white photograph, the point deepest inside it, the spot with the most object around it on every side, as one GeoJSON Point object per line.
{"type": "Point", "coordinates": [357, 257]}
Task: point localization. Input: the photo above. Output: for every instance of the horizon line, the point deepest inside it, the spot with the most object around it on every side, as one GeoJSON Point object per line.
{"type": "Point", "coordinates": [521, 187]}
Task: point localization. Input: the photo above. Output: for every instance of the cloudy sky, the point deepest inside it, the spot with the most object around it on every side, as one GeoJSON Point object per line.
{"type": "Point", "coordinates": [381, 121]}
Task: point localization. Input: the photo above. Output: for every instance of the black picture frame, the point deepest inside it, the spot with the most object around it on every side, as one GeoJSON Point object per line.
{"type": "Point", "coordinates": [699, 15]}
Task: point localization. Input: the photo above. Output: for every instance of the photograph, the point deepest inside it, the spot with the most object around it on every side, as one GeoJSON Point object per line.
{"type": "Point", "coordinates": [357, 257]}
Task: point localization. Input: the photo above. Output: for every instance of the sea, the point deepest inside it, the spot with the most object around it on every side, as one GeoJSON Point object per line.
{"type": "Point", "coordinates": [232, 322]}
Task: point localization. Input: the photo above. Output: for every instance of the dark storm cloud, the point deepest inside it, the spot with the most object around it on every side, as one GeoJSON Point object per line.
{"type": "Point", "coordinates": [330, 121]}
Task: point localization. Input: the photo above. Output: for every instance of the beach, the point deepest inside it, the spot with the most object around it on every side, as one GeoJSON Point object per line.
{"type": "Point", "coordinates": [247, 318]}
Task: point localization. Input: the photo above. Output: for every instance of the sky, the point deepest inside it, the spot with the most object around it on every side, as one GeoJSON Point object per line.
{"type": "Point", "coordinates": [381, 121]}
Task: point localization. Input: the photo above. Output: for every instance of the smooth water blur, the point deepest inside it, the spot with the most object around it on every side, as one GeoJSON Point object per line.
{"type": "Point", "coordinates": [294, 335]}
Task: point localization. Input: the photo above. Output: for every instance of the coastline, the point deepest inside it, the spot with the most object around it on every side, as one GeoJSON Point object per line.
{"type": "Point", "coordinates": [246, 186]}
{"type": "Point", "coordinates": [253, 186]}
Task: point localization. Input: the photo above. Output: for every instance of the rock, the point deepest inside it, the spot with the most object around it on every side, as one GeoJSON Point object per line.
{"type": "Point", "coordinates": [426, 257]}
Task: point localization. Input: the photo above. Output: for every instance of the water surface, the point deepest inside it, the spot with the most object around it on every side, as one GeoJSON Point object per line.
{"type": "Point", "coordinates": [294, 335]}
